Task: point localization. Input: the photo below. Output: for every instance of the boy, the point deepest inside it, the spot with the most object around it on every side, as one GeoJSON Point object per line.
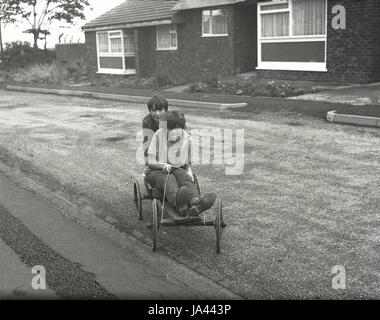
{"type": "Point", "coordinates": [157, 106]}
{"type": "Point", "coordinates": [170, 152]}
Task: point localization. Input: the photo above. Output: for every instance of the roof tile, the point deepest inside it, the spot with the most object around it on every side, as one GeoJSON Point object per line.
{"type": "Point", "coordinates": [132, 11]}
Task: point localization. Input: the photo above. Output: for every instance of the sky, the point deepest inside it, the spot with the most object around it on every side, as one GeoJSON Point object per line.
{"type": "Point", "coordinates": [72, 33]}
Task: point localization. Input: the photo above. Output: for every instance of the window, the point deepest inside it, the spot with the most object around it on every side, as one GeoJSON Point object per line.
{"type": "Point", "coordinates": [166, 37]}
{"type": "Point", "coordinates": [129, 43]}
{"type": "Point", "coordinates": [214, 23]}
{"type": "Point", "coordinates": [116, 52]}
{"type": "Point", "coordinates": [292, 35]}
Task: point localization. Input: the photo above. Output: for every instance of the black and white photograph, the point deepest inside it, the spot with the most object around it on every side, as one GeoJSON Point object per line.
{"type": "Point", "coordinates": [190, 154]}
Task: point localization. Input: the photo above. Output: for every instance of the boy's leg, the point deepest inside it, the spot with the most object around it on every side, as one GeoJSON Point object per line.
{"type": "Point", "coordinates": [157, 179]}
{"type": "Point", "coordinates": [184, 180]}
{"type": "Point", "coordinates": [189, 191]}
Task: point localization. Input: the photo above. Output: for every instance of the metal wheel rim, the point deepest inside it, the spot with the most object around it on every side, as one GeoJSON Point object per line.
{"type": "Point", "coordinates": [137, 199]}
{"type": "Point", "coordinates": [154, 224]}
{"type": "Point", "coordinates": [218, 226]}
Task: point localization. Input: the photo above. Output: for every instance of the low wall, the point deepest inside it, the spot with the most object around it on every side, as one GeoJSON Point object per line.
{"type": "Point", "coordinates": [73, 56]}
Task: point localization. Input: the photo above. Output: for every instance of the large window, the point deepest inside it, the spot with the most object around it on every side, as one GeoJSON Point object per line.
{"type": "Point", "coordinates": [214, 23]}
{"type": "Point", "coordinates": [292, 35]}
{"type": "Point", "coordinates": [116, 52]}
{"type": "Point", "coordinates": [166, 37]}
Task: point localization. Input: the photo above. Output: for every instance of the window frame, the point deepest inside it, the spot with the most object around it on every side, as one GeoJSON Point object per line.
{"type": "Point", "coordinates": [171, 31]}
{"type": "Point", "coordinates": [122, 54]}
{"type": "Point", "coordinates": [211, 34]}
{"type": "Point", "coordinates": [288, 66]}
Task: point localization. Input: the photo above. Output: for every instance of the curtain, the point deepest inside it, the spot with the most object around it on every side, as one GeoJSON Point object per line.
{"type": "Point", "coordinates": [275, 24]}
{"type": "Point", "coordinates": [206, 20]}
{"type": "Point", "coordinates": [309, 17]}
{"type": "Point", "coordinates": [103, 41]}
{"type": "Point", "coordinates": [129, 43]}
{"type": "Point", "coordinates": [219, 22]}
{"type": "Point", "coordinates": [163, 37]}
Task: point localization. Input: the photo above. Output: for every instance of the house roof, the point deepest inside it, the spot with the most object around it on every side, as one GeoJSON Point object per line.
{"type": "Point", "coordinates": [135, 11]}
{"type": "Point", "coordinates": [193, 4]}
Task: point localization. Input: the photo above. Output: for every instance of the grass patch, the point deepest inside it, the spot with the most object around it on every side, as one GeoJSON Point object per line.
{"type": "Point", "coordinates": [37, 73]}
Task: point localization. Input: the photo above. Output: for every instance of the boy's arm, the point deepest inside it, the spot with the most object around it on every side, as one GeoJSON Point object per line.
{"type": "Point", "coordinates": [147, 137]}
{"type": "Point", "coordinates": [152, 155]}
{"type": "Point", "coordinates": [189, 168]}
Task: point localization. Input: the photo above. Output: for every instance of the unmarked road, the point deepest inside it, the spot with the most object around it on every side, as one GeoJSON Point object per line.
{"type": "Point", "coordinates": [308, 198]}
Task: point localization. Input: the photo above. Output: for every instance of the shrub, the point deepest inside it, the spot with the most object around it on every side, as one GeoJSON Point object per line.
{"type": "Point", "coordinates": [163, 80]}
{"type": "Point", "coordinates": [47, 73]}
{"type": "Point", "coordinates": [21, 55]}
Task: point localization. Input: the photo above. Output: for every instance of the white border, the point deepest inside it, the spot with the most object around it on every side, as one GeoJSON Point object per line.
{"type": "Point", "coordinates": [289, 66]}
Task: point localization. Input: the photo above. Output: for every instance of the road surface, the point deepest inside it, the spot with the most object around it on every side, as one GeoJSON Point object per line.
{"type": "Point", "coordinates": [79, 263]}
{"type": "Point", "coordinates": [306, 201]}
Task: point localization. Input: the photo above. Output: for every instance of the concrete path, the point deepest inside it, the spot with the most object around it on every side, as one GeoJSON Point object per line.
{"type": "Point", "coordinates": [16, 278]}
{"type": "Point", "coordinates": [80, 263]}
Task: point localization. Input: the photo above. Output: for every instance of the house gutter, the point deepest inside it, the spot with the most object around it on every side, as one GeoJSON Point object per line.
{"type": "Point", "coordinates": [129, 25]}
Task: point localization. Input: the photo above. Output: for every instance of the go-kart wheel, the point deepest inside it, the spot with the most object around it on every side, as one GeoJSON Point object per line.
{"type": "Point", "coordinates": [196, 181]}
{"type": "Point", "coordinates": [137, 199]}
{"type": "Point", "coordinates": [154, 224]}
{"type": "Point", "coordinates": [218, 225]}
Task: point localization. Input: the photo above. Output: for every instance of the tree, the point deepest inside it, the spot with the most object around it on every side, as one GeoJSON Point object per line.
{"type": "Point", "coordinates": [38, 13]}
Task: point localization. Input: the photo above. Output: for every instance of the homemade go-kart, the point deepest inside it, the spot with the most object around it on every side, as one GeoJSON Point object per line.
{"type": "Point", "coordinates": [163, 213]}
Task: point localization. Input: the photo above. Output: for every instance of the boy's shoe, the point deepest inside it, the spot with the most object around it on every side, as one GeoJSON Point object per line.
{"type": "Point", "coordinates": [182, 200]}
{"type": "Point", "coordinates": [199, 205]}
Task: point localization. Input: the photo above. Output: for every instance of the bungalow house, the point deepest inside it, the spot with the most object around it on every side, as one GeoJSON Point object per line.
{"type": "Point", "coordinates": [324, 40]}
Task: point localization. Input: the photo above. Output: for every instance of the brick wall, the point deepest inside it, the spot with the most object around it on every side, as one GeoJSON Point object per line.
{"type": "Point", "coordinates": [71, 56]}
{"type": "Point", "coordinates": [353, 55]}
{"type": "Point", "coordinates": [196, 57]}
{"type": "Point", "coordinates": [92, 59]}
{"type": "Point", "coordinates": [245, 38]}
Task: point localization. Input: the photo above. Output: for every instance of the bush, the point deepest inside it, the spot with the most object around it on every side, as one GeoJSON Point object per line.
{"type": "Point", "coordinates": [43, 73]}
{"type": "Point", "coordinates": [163, 80]}
{"type": "Point", "coordinates": [19, 54]}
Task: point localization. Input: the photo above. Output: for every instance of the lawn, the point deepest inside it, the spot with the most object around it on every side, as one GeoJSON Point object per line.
{"type": "Point", "coordinates": [307, 199]}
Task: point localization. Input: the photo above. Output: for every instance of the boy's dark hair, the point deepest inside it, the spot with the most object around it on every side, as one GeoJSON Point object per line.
{"type": "Point", "coordinates": [158, 102]}
{"type": "Point", "coordinates": [175, 119]}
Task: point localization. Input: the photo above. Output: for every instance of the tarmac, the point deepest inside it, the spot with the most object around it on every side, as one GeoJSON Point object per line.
{"type": "Point", "coordinates": [362, 115]}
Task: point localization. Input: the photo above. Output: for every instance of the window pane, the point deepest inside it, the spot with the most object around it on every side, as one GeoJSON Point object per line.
{"type": "Point", "coordinates": [115, 34]}
{"type": "Point", "coordinates": [275, 25]}
{"type": "Point", "coordinates": [163, 37]}
{"type": "Point", "coordinates": [111, 62]}
{"type": "Point", "coordinates": [166, 37]}
{"type": "Point", "coordinates": [103, 42]}
{"type": "Point", "coordinates": [116, 45]}
{"type": "Point", "coordinates": [275, 7]}
{"type": "Point", "coordinates": [129, 42]}
{"type": "Point", "coordinates": [173, 40]}
{"type": "Point", "coordinates": [309, 17]}
{"type": "Point", "coordinates": [206, 22]}
{"type": "Point", "coordinates": [219, 22]}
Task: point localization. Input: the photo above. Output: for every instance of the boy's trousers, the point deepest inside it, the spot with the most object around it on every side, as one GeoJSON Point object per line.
{"type": "Point", "coordinates": [177, 178]}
